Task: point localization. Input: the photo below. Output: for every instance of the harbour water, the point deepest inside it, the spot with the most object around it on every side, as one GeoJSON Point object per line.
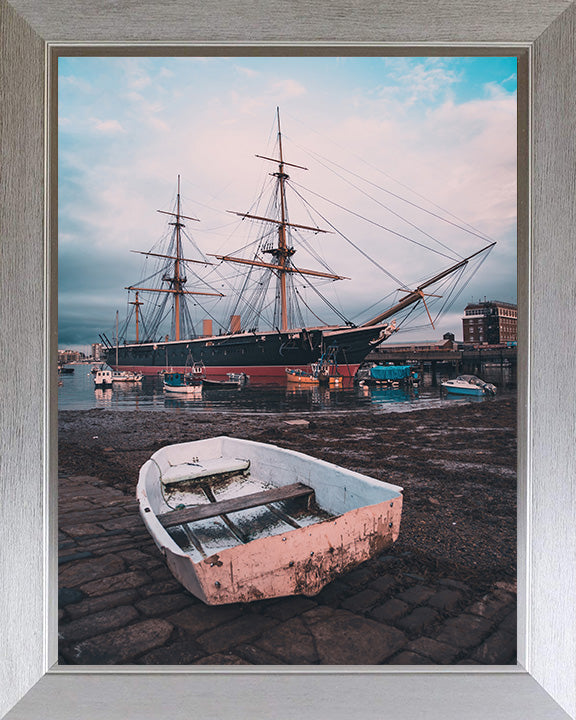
{"type": "Point", "coordinates": [76, 391]}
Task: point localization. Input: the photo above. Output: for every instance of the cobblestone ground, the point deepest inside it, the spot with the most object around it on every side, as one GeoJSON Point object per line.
{"type": "Point", "coordinates": [119, 604]}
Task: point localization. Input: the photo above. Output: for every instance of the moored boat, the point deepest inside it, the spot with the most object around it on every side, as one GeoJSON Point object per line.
{"type": "Point", "coordinates": [126, 376]}
{"type": "Point", "coordinates": [390, 375]}
{"type": "Point", "coordinates": [469, 385]}
{"type": "Point", "coordinates": [103, 377]}
{"type": "Point", "coordinates": [239, 521]}
{"type": "Point", "coordinates": [183, 382]}
{"type": "Point", "coordinates": [300, 377]}
{"type": "Point", "coordinates": [323, 372]}
{"type": "Point", "coordinates": [233, 381]}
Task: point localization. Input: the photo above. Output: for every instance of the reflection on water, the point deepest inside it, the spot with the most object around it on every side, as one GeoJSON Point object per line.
{"type": "Point", "coordinates": [182, 401]}
{"type": "Point", "coordinates": [386, 395]}
{"type": "Point", "coordinates": [103, 397]}
{"type": "Point", "coordinates": [77, 392]}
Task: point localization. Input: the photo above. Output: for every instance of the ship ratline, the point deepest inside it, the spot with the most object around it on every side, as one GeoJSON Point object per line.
{"type": "Point", "coordinates": [261, 354]}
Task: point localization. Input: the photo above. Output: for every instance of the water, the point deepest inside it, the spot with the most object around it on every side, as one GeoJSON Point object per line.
{"type": "Point", "coordinates": [77, 392]}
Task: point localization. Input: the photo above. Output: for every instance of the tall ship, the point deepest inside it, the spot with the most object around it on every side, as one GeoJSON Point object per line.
{"type": "Point", "coordinates": [263, 333]}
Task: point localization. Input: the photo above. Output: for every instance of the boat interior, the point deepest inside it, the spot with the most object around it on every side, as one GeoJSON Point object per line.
{"type": "Point", "coordinates": [200, 536]}
{"type": "Point", "coordinates": [216, 494]}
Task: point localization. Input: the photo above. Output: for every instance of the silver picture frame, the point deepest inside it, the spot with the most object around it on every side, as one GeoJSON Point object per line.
{"type": "Point", "coordinates": [543, 685]}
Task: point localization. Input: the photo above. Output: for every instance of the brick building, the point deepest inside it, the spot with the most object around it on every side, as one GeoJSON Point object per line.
{"type": "Point", "coordinates": [492, 322]}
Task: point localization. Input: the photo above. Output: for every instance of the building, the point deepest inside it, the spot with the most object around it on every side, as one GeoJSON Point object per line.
{"type": "Point", "coordinates": [491, 322]}
{"type": "Point", "coordinates": [96, 351]}
{"type": "Point", "coordinates": [70, 356]}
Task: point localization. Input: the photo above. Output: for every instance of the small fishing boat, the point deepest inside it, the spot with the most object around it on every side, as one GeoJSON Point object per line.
{"type": "Point", "coordinates": [233, 382]}
{"type": "Point", "coordinates": [65, 370]}
{"type": "Point", "coordinates": [186, 382]}
{"type": "Point", "coordinates": [239, 521]}
{"type": "Point", "coordinates": [469, 385]}
{"type": "Point", "coordinates": [103, 378]}
{"type": "Point", "coordinates": [324, 372]}
{"type": "Point", "coordinates": [300, 377]}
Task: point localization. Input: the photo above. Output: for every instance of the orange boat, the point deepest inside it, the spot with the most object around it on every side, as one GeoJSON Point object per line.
{"type": "Point", "coordinates": [324, 372]}
{"type": "Point", "coordinates": [301, 377]}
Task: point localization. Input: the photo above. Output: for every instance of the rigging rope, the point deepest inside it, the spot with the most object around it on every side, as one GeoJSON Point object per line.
{"type": "Point", "coordinates": [368, 257]}
{"type": "Point", "coordinates": [372, 222]}
{"type": "Point", "coordinates": [470, 229]}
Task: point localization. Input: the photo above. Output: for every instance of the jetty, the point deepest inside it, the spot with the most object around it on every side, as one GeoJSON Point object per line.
{"type": "Point", "coordinates": [459, 358]}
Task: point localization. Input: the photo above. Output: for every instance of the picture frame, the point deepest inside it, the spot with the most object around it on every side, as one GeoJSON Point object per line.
{"type": "Point", "coordinates": [543, 684]}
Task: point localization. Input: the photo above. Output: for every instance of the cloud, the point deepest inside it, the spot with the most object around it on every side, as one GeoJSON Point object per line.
{"type": "Point", "coordinates": [110, 127]}
{"type": "Point", "coordinates": [206, 121]}
{"type": "Point", "coordinates": [158, 124]}
{"type": "Point", "coordinates": [288, 88]}
{"type": "Point", "coordinates": [411, 82]}
{"type": "Point", "coordinates": [75, 83]}
{"type": "Point", "coordinates": [511, 78]}
{"type": "Point", "coordinates": [246, 71]}
{"type": "Point", "coordinates": [149, 111]}
{"type": "Point", "coordinates": [136, 76]}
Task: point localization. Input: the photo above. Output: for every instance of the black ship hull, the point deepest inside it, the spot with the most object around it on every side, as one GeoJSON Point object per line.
{"type": "Point", "coordinates": [261, 355]}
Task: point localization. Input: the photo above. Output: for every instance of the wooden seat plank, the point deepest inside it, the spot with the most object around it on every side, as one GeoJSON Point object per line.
{"type": "Point", "coordinates": [223, 507]}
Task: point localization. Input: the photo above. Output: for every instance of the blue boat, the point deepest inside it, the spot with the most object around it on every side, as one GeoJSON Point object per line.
{"type": "Point", "coordinates": [184, 382]}
{"type": "Point", "coordinates": [391, 373]}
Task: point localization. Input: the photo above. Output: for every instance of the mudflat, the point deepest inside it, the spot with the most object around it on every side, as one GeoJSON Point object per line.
{"type": "Point", "coordinates": [457, 466]}
{"type": "Point", "coordinates": [444, 593]}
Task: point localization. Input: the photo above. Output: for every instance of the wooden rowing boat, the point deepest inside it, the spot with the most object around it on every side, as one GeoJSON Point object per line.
{"type": "Point", "coordinates": [239, 521]}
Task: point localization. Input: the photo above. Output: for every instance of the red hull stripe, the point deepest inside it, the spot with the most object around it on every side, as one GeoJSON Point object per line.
{"type": "Point", "coordinates": [256, 372]}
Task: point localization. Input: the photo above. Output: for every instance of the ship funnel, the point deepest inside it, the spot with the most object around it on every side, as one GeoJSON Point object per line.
{"type": "Point", "coordinates": [207, 328]}
{"type": "Point", "coordinates": [235, 324]}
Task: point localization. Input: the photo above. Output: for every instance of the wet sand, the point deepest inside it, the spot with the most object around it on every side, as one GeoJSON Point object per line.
{"type": "Point", "coordinates": [457, 466]}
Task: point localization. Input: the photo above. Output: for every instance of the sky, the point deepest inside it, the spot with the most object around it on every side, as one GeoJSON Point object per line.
{"type": "Point", "coordinates": [393, 148]}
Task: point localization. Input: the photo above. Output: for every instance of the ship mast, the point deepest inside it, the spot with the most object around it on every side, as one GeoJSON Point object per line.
{"type": "Point", "coordinates": [282, 252]}
{"type": "Point", "coordinates": [177, 280]}
{"type": "Point", "coordinates": [137, 305]}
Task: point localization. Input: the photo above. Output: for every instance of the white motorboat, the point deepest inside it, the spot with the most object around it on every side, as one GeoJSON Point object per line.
{"type": "Point", "coordinates": [469, 385]}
